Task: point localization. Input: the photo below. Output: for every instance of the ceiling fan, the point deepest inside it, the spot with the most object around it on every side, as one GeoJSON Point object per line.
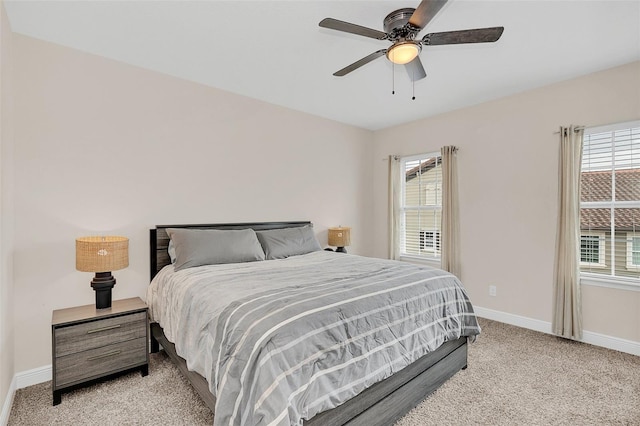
{"type": "Point", "coordinates": [401, 27]}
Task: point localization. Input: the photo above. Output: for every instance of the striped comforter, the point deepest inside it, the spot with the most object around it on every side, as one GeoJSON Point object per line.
{"type": "Point", "coordinates": [282, 340]}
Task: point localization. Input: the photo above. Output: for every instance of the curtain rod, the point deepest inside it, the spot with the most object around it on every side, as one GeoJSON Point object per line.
{"type": "Point", "coordinates": [575, 129]}
{"type": "Point", "coordinates": [397, 157]}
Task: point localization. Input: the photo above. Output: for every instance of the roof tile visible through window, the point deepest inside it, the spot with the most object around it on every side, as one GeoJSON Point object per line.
{"type": "Point", "coordinates": [628, 185]}
{"type": "Point", "coordinates": [596, 186]}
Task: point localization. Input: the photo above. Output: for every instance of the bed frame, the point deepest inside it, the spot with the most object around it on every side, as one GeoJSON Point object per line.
{"type": "Point", "coordinates": [381, 404]}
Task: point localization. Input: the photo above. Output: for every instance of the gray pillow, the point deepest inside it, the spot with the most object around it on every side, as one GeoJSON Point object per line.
{"type": "Point", "coordinates": [196, 247]}
{"type": "Point", "coordinates": [281, 243]}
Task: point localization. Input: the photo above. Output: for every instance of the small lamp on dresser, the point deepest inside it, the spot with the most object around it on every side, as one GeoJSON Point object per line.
{"type": "Point", "coordinates": [340, 237]}
{"type": "Point", "coordinates": [102, 255]}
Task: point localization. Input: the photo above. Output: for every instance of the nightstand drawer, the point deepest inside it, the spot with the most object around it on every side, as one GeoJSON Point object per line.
{"type": "Point", "coordinates": [95, 334]}
{"type": "Point", "coordinates": [82, 366]}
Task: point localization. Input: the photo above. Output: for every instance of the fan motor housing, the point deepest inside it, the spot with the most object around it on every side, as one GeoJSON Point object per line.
{"type": "Point", "coordinates": [397, 20]}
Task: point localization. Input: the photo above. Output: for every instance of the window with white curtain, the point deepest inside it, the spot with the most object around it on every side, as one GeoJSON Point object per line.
{"type": "Point", "coordinates": [610, 202]}
{"type": "Point", "coordinates": [420, 205]}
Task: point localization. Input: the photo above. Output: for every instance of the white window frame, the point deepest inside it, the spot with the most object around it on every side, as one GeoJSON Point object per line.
{"type": "Point", "coordinates": [426, 255]}
{"type": "Point", "coordinates": [602, 280]}
{"type": "Point", "coordinates": [602, 263]}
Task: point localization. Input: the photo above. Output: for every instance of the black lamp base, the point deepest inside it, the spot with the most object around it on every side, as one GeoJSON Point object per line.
{"type": "Point", "coordinates": [341, 250]}
{"type": "Point", "coordinates": [102, 283]}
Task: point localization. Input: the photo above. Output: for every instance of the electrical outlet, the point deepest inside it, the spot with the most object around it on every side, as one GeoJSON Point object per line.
{"type": "Point", "coordinates": [492, 290]}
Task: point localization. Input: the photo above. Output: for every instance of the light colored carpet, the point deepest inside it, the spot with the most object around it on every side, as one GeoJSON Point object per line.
{"type": "Point", "coordinates": [515, 377]}
{"type": "Point", "coordinates": [522, 377]}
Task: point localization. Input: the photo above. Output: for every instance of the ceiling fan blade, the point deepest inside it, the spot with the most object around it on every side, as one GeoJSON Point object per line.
{"type": "Point", "coordinates": [425, 12]}
{"type": "Point", "coordinates": [415, 69]}
{"type": "Point", "coordinates": [357, 64]}
{"type": "Point", "coordinates": [347, 27]}
{"type": "Point", "coordinates": [480, 35]}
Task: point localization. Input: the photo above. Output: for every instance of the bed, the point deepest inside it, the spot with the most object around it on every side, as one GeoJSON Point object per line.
{"type": "Point", "coordinates": [384, 392]}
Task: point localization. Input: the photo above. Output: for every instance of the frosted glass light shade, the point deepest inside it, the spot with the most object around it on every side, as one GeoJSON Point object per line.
{"type": "Point", "coordinates": [404, 52]}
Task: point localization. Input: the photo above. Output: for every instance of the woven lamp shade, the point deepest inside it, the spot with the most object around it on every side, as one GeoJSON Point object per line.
{"type": "Point", "coordinates": [102, 254]}
{"type": "Point", "coordinates": [340, 237]}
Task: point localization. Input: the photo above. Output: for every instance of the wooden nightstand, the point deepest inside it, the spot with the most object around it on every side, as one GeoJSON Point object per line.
{"type": "Point", "coordinates": [90, 344]}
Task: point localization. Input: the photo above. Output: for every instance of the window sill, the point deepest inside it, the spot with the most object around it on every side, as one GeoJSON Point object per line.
{"type": "Point", "coordinates": [433, 262]}
{"type": "Point", "coordinates": [619, 283]}
{"type": "Point", "coordinates": [593, 265]}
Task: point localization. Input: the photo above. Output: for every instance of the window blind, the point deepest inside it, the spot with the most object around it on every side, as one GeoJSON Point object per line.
{"type": "Point", "coordinates": [610, 201]}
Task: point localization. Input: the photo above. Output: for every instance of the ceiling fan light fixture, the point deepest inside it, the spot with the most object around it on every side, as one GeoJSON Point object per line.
{"type": "Point", "coordinates": [403, 52]}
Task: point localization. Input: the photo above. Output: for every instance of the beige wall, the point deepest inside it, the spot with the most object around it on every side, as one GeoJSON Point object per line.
{"type": "Point", "coordinates": [103, 147]}
{"type": "Point", "coordinates": [508, 167]}
{"type": "Point", "coordinates": [6, 209]}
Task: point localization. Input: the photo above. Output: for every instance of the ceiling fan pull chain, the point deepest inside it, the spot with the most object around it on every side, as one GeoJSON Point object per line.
{"type": "Point", "coordinates": [413, 87]}
{"type": "Point", "coordinates": [393, 78]}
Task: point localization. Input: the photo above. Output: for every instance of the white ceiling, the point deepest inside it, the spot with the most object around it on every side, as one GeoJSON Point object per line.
{"type": "Point", "coordinates": [274, 50]}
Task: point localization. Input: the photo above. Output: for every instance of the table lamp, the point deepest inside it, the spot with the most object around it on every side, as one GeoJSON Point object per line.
{"type": "Point", "coordinates": [340, 237]}
{"type": "Point", "coordinates": [102, 255]}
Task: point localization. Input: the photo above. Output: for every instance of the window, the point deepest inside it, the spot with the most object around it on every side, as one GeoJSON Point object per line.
{"type": "Point", "coordinates": [430, 241]}
{"type": "Point", "coordinates": [592, 249]}
{"type": "Point", "coordinates": [610, 201]}
{"type": "Point", "coordinates": [421, 206]}
{"type": "Point", "coordinates": [633, 250]}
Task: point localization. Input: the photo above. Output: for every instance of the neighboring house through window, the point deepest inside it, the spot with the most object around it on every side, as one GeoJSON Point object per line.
{"type": "Point", "coordinates": [421, 205]}
{"type": "Point", "coordinates": [610, 201]}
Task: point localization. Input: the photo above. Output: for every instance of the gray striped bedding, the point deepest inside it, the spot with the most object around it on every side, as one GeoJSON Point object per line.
{"type": "Point", "coordinates": [282, 340]}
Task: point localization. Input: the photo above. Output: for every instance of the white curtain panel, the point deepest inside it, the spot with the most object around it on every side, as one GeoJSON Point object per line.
{"type": "Point", "coordinates": [450, 233]}
{"type": "Point", "coordinates": [567, 312]}
{"type": "Point", "coordinates": [394, 207]}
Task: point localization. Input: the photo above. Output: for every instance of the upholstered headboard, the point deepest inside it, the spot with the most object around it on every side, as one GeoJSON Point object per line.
{"type": "Point", "coordinates": [159, 240]}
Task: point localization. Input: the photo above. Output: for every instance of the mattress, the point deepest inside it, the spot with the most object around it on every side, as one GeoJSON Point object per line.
{"type": "Point", "coordinates": [280, 341]}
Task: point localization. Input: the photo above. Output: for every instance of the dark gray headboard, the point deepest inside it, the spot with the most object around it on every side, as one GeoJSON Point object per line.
{"type": "Point", "coordinates": [159, 240]}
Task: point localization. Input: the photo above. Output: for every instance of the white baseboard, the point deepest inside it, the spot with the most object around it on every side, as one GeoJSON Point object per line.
{"type": "Point", "coordinates": [622, 345]}
{"type": "Point", "coordinates": [22, 380]}
{"type": "Point", "coordinates": [517, 320]}
{"type": "Point", "coordinates": [33, 377]}
{"type": "Point", "coordinates": [596, 339]}
{"type": "Point", "coordinates": [8, 402]}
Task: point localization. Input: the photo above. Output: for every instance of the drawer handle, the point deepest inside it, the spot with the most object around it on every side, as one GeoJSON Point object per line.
{"type": "Point", "coordinates": [104, 355]}
{"type": "Point", "coordinates": [98, 330]}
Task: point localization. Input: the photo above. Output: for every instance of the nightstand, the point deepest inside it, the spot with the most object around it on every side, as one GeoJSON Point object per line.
{"type": "Point", "coordinates": [90, 344]}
